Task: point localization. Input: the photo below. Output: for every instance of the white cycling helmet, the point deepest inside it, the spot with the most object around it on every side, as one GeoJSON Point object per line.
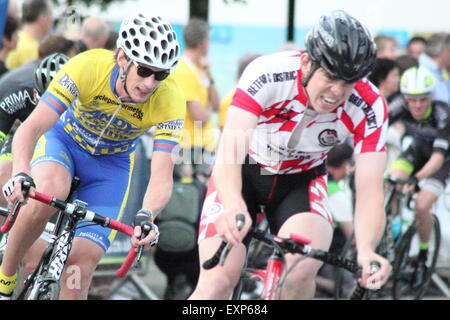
{"type": "Point", "coordinates": [417, 81]}
{"type": "Point", "coordinates": [149, 40]}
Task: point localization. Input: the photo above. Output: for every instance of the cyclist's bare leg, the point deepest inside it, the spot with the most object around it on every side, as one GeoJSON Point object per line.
{"type": "Point", "coordinates": [32, 258]}
{"type": "Point", "coordinates": [423, 204]}
{"type": "Point", "coordinates": [80, 267]}
{"type": "Point", "coordinates": [50, 178]}
{"type": "Point", "coordinates": [300, 282]}
{"type": "Point", "coordinates": [424, 219]}
{"type": "Point", "coordinates": [219, 282]}
{"type": "Point", "coordinates": [402, 175]}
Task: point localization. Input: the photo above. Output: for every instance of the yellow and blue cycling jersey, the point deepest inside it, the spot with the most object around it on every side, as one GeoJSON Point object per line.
{"type": "Point", "coordinates": [96, 135]}
{"type": "Point", "coordinates": [83, 93]}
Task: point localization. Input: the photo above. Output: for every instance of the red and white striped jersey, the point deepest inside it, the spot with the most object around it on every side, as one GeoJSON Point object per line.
{"type": "Point", "coordinates": [289, 137]}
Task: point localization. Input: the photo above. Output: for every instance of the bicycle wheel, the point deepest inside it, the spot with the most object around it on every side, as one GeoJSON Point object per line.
{"type": "Point", "coordinates": [406, 257]}
{"type": "Point", "coordinates": [250, 286]}
{"type": "Point", "coordinates": [345, 281]}
{"type": "Point", "coordinates": [48, 290]}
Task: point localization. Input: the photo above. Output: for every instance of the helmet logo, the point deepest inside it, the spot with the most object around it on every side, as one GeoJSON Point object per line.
{"type": "Point", "coordinates": [329, 40]}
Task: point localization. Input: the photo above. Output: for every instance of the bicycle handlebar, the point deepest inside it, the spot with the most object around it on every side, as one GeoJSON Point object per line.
{"type": "Point", "coordinates": [296, 244]}
{"type": "Point", "coordinates": [74, 208]}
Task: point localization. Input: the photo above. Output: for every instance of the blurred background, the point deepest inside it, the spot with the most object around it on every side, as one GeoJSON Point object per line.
{"type": "Point", "coordinates": [239, 30]}
{"type": "Point", "coordinates": [263, 26]}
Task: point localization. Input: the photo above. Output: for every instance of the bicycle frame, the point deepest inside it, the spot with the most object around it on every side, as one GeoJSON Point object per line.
{"type": "Point", "coordinates": [54, 258]}
{"type": "Point", "coordinates": [53, 261]}
{"type": "Point", "coordinates": [272, 276]}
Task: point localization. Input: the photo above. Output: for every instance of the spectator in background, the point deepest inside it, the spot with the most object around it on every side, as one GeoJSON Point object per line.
{"type": "Point", "coordinates": [112, 39]}
{"type": "Point", "coordinates": [289, 46]}
{"type": "Point", "coordinates": [387, 47]}
{"type": "Point", "coordinates": [62, 45]}
{"type": "Point", "coordinates": [9, 41]}
{"type": "Point", "coordinates": [338, 164]}
{"type": "Point", "coordinates": [194, 76]}
{"type": "Point", "coordinates": [416, 46]}
{"type": "Point", "coordinates": [243, 62]}
{"type": "Point", "coordinates": [94, 34]}
{"type": "Point", "coordinates": [37, 19]}
{"type": "Point", "coordinates": [386, 77]}
{"type": "Point", "coordinates": [405, 62]}
{"type": "Point", "coordinates": [436, 58]}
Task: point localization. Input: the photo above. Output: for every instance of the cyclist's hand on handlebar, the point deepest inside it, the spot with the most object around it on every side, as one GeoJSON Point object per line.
{"type": "Point", "coordinates": [227, 228]}
{"type": "Point", "coordinates": [18, 188]}
{"type": "Point", "coordinates": [375, 270]}
{"type": "Point", "coordinates": [411, 185]}
{"type": "Point", "coordinates": [146, 233]}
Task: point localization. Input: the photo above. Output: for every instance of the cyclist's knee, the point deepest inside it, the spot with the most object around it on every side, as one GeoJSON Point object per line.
{"type": "Point", "coordinates": [304, 272]}
{"type": "Point", "coordinates": [81, 263]}
{"type": "Point", "coordinates": [423, 207]}
{"type": "Point", "coordinates": [215, 286]}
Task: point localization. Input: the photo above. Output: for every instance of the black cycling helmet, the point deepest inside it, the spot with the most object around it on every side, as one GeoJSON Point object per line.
{"type": "Point", "coordinates": [342, 46]}
{"type": "Point", "coordinates": [47, 69]}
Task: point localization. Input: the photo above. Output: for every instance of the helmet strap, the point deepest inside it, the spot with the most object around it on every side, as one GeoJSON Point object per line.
{"type": "Point", "coordinates": [305, 79]}
{"type": "Point", "coordinates": [124, 74]}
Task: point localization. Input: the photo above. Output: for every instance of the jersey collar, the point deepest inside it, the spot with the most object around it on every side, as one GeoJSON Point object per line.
{"type": "Point", "coordinates": [113, 79]}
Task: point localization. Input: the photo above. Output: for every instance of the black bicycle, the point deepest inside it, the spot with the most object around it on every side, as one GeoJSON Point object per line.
{"type": "Point", "coordinates": [405, 263]}
{"type": "Point", "coordinates": [44, 282]}
{"type": "Point", "coordinates": [274, 274]}
{"type": "Point", "coordinates": [398, 245]}
{"type": "Point", "coordinates": [345, 282]}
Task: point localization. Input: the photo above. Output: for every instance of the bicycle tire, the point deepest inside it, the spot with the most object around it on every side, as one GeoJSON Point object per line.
{"type": "Point", "coordinates": [404, 263]}
{"type": "Point", "coordinates": [248, 286]}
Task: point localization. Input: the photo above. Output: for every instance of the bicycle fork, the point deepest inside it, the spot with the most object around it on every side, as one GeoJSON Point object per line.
{"type": "Point", "coordinates": [272, 275]}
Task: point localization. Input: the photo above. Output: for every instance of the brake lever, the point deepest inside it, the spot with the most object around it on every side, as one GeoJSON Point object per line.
{"type": "Point", "coordinates": [240, 221]}
{"type": "Point", "coordinates": [145, 231]}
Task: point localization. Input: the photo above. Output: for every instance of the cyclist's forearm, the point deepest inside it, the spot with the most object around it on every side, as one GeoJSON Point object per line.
{"type": "Point", "coordinates": [434, 164]}
{"type": "Point", "coordinates": [370, 216]}
{"type": "Point", "coordinates": [369, 224]}
{"type": "Point", "coordinates": [157, 195]}
{"type": "Point", "coordinates": [228, 183]}
{"type": "Point", "coordinates": [23, 145]}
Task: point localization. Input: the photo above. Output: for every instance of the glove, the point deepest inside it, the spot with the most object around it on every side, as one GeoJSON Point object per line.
{"type": "Point", "coordinates": [412, 181]}
{"type": "Point", "coordinates": [22, 178]}
{"type": "Point", "coordinates": [143, 221]}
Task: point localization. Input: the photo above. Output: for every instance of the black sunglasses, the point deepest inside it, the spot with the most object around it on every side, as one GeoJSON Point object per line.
{"type": "Point", "coordinates": [147, 72]}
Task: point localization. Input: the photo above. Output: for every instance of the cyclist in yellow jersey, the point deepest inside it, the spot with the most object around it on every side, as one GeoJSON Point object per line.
{"type": "Point", "coordinates": [88, 122]}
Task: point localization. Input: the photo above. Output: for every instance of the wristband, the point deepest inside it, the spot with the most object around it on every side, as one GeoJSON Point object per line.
{"type": "Point", "coordinates": [147, 212]}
